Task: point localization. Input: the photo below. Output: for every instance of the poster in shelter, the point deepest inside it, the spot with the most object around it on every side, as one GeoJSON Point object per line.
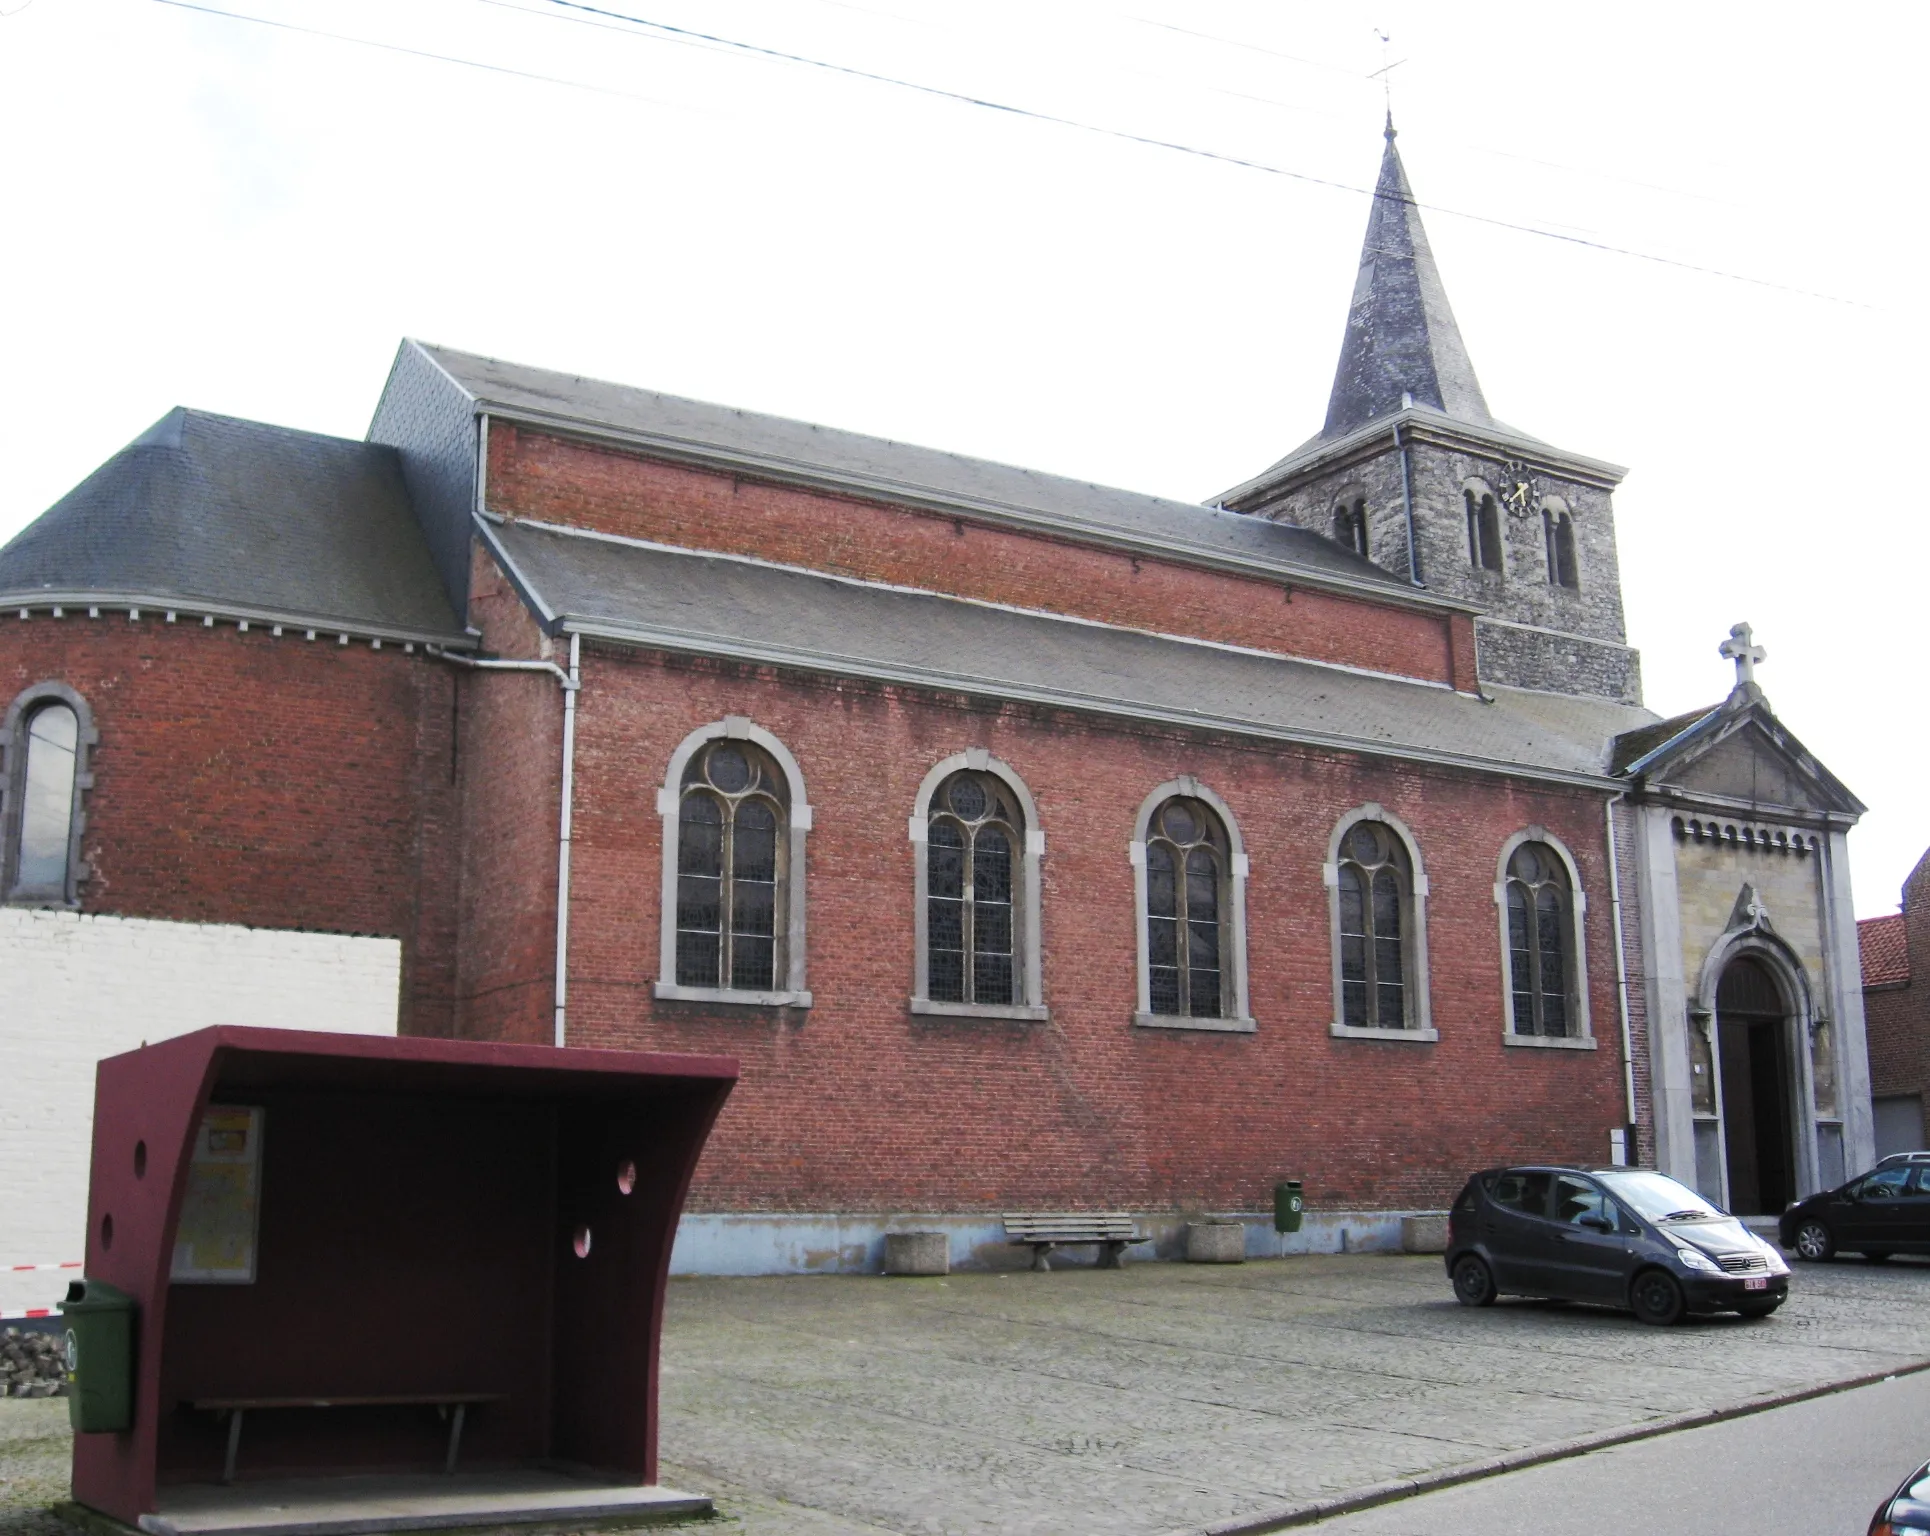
{"type": "Point", "coordinates": [215, 1240]}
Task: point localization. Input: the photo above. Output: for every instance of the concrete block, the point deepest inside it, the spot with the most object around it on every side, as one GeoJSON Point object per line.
{"type": "Point", "coordinates": [1215, 1242]}
{"type": "Point", "coordinates": [917, 1253]}
{"type": "Point", "coordinates": [1425, 1234]}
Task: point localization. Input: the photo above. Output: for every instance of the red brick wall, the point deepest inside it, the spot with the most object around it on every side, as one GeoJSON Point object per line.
{"type": "Point", "coordinates": [535, 475]}
{"type": "Point", "coordinates": [279, 782]}
{"type": "Point", "coordinates": [858, 1105]}
{"type": "Point", "coordinates": [1897, 1019]}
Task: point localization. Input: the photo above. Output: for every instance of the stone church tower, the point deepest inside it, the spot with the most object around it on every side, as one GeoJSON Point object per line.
{"type": "Point", "coordinates": [1413, 472]}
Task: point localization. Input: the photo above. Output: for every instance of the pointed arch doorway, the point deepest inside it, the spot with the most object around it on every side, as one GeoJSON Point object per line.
{"type": "Point", "coordinates": [1757, 1083]}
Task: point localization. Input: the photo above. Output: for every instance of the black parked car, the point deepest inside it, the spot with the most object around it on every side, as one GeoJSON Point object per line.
{"type": "Point", "coordinates": [1885, 1211]}
{"type": "Point", "coordinates": [1627, 1237]}
{"type": "Point", "coordinates": [1906, 1511]}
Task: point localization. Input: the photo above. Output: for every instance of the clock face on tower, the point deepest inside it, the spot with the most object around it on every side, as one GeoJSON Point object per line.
{"type": "Point", "coordinates": [1519, 492]}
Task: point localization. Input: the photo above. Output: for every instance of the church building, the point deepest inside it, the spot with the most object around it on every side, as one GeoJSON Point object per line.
{"type": "Point", "coordinates": [1032, 844]}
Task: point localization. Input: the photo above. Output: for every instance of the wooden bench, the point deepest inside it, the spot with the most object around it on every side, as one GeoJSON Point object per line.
{"type": "Point", "coordinates": [450, 1405]}
{"type": "Point", "coordinates": [1042, 1231]}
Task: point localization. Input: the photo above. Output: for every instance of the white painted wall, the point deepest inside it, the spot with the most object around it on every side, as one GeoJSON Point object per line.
{"type": "Point", "coordinates": [75, 988]}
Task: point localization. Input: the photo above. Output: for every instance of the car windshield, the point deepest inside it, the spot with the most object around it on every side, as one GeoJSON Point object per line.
{"type": "Point", "coordinates": [1658, 1197]}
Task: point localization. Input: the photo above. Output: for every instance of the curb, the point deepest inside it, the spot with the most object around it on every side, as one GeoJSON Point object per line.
{"type": "Point", "coordinates": [1290, 1515]}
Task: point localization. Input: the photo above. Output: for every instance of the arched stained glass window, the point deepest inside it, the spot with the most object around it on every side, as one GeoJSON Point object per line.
{"type": "Point", "coordinates": [973, 843]}
{"type": "Point", "coordinates": [1376, 891]}
{"type": "Point", "coordinates": [1187, 863]}
{"type": "Point", "coordinates": [1540, 942]}
{"type": "Point", "coordinates": [44, 742]}
{"type": "Point", "coordinates": [731, 879]}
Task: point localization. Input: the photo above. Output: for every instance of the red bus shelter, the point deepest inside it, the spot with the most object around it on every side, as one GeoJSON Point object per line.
{"type": "Point", "coordinates": [383, 1280]}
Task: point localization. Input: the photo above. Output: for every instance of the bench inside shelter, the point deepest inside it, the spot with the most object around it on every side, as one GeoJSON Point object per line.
{"type": "Point", "coordinates": [452, 1406]}
{"type": "Point", "coordinates": [1042, 1231]}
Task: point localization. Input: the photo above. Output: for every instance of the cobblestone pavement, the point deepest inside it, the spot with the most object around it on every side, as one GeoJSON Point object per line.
{"type": "Point", "coordinates": [1159, 1398]}
{"type": "Point", "coordinates": [1166, 1397]}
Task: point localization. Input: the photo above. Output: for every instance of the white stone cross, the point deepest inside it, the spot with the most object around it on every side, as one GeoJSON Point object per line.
{"type": "Point", "coordinates": [1741, 648]}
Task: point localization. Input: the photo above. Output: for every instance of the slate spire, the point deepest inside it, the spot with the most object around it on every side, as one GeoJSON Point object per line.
{"type": "Point", "coordinates": [1401, 337]}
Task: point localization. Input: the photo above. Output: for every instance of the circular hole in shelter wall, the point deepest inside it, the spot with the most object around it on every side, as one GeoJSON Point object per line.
{"type": "Point", "coordinates": [580, 1244]}
{"type": "Point", "coordinates": [627, 1176]}
{"type": "Point", "coordinates": [140, 1159]}
{"type": "Point", "coordinates": [107, 1230]}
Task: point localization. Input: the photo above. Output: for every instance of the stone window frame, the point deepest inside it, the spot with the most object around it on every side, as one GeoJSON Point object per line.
{"type": "Point", "coordinates": [1240, 1020]}
{"type": "Point", "coordinates": [1484, 519]}
{"type": "Point", "coordinates": [1419, 1029]}
{"type": "Point", "coordinates": [13, 774]}
{"type": "Point", "coordinates": [1028, 929]}
{"type": "Point", "coordinates": [1557, 522]}
{"type": "Point", "coordinates": [795, 992]}
{"type": "Point", "coordinates": [1578, 939]}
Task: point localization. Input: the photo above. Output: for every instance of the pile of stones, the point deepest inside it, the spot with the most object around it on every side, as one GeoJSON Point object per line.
{"type": "Point", "coordinates": [31, 1364]}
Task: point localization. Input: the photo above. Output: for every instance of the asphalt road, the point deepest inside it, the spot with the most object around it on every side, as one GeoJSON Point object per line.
{"type": "Point", "coordinates": [1812, 1469]}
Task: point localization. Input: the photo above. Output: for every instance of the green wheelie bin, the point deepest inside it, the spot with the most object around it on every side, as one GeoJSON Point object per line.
{"type": "Point", "coordinates": [100, 1356]}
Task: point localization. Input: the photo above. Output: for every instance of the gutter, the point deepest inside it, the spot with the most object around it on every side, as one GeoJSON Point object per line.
{"type": "Point", "coordinates": [572, 684]}
{"type": "Point", "coordinates": [1621, 966]}
{"type": "Point", "coordinates": [1407, 504]}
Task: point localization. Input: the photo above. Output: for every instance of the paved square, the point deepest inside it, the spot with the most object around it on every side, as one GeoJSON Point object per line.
{"type": "Point", "coordinates": [1166, 1397]}
{"type": "Point", "coordinates": [1159, 1398]}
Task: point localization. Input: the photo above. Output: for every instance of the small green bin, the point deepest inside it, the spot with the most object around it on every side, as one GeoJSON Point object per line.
{"type": "Point", "coordinates": [100, 1356]}
{"type": "Point", "coordinates": [1287, 1206]}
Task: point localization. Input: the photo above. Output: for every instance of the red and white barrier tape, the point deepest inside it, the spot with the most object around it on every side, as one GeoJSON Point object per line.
{"type": "Point", "coordinates": [14, 1269]}
{"type": "Point", "coordinates": [8, 1317]}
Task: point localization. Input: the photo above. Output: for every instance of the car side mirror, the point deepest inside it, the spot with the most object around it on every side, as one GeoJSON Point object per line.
{"type": "Point", "coordinates": [1596, 1223]}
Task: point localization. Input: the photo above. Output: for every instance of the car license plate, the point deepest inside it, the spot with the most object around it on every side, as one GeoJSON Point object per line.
{"type": "Point", "coordinates": [1755, 1285]}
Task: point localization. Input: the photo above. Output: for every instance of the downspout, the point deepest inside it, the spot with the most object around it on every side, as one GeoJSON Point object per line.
{"type": "Point", "coordinates": [572, 682]}
{"type": "Point", "coordinates": [1407, 504]}
{"type": "Point", "coordinates": [570, 690]}
{"type": "Point", "coordinates": [1621, 963]}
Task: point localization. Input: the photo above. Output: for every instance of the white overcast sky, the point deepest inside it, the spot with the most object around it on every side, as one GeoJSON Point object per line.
{"type": "Point", "coordinates": [217, 213]}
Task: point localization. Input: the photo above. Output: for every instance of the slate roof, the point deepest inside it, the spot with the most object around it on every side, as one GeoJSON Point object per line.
{"type": "Point", "coordinates": [1633, 746]}
{"type": "Point", "coordinates": [244, 518]}
{"type": "Point", "coordinates": [690, 602]}
{"type": "Point", "coordinates": [825, 456]}
{"type": "Point", "coordinates": [1884, 942]}
{"type": "Point", "coordinates": [1401, 336]}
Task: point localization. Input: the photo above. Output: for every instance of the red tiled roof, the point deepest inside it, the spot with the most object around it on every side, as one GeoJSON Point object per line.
{"type": "Point", "coordinates": [1886, 954]}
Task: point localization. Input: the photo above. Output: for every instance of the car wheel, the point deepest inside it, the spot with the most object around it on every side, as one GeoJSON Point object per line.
{"type": "Point", "coordinates": [1757, 1309]}
{"type": "Point", "coordinates": [1474, 1283]}
{"type": "Point", "coordinates": [1876, 1256]}
{"type": "Point", "coordinates": [1655, 1298]}
{"type": "Point", "coordinates": [1815, 1242]}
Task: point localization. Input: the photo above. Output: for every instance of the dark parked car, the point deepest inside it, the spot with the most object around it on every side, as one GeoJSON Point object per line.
{"type": "Point", "coordinates": [1626, 1237]}
{"type": "Point", "coordinates": [1907, 1511]}
{"type": "Point", "coordinates": [1885, 1211]}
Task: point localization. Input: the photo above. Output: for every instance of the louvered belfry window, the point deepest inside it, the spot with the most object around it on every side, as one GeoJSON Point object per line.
{"type": "Point", "coordinates": [1376, 887]}
{"type": "Point", "coordinates": [1187, 861]}
{"type": "Point", "coordinates": [972, 849]}
{"type": "Point", "coordinates": [1540, 941]}
{"type": "Point", "coordinates": [731, 828]}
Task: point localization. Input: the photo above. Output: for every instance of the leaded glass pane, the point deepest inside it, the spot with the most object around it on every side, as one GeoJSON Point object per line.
{"type": "Point", "coordinates": [945, 861]}
{"type": "Point", "coordinates": [1551, 931]}
{"type": "Point", "coordinates": [967, 798]}
{"type": "Point", "coordinates": [47, 804]}
{"type": "Point", "coordinates": [1162, 892]}
{"type": "Point", "coordinates": [728, 768]}
{"type": "Point", "coordinates": [991, 867]}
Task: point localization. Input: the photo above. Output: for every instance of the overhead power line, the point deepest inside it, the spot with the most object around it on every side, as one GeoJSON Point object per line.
{"type": "Point", "coordinates": [1151, 141]}
{"type": "Point", "coordinates": [423, 53]}
{"type": "Point", "coordinates": [669, 32]}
